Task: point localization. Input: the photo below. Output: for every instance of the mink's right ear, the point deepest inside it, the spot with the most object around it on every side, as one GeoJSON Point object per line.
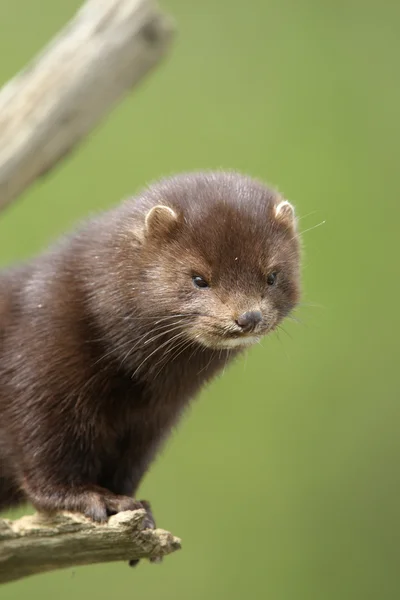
{"type": "Point", "coordinates": [160, 221]}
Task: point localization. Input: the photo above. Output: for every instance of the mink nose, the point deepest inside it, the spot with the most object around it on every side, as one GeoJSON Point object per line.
{"type": "Point", "coordinates": [249, 320]}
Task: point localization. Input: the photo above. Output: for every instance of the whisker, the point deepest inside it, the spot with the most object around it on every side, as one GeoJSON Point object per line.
{"type": "Point", "coordinates": [167, 359]}
{"type": "Point", "coordinates": [195, 350]}
{"type": "Point", "coordinates": [295, 320]}
{"type": "Point", "coordinates": [313, 212]}
{"type": "Point", "coordinates": [164, 356]}
{"type": "Point", "coordinates": [284, 331]}
{"type": "Point", "coordinates": [282, 344]}
{"type": "Point", "coordinates": [148, 341]}
{"type": "Point", "coordinates": [163, 331]}
{"type": "Point", "coordinates": [154, 351]}
{"type": "Point", "coordinates": [226, 362]}
{"type": "Point", "coordinates": [121, 346]}
{"type": "Point", "coordinates": [308, 305]}
{"type": "Point", "coordinates": [313, 227]}
{"type": "Point", "coordinates": [209, 362]}
{"type": "Point", "coordinates": [112, 351]}
{"type": "Point", "coordinates": [181, 348]}
{"type": "Point", "coordinates": [160, 318]}
{"type": "Point", "coordinates": [246, 356]}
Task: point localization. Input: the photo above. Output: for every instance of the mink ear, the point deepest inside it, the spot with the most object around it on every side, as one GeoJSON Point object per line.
{"type": "Point", "coordinates": [284, 212]}
{"type": "Point", "coordinates": [160, 220]}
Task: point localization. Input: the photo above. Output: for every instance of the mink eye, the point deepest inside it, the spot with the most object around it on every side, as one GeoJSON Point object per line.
{"type": "Point", "coordinates": [271, 279]}
{"type": "Point", "coordinates": [199, 281]}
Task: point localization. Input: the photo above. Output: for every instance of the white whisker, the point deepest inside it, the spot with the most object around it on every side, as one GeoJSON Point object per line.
{"type": "Point", "coordinates": [311, 228]}
{"type": "Point", "coordinates": [154, 351]}
{"type": "Point", "coordinates": [143, 339]}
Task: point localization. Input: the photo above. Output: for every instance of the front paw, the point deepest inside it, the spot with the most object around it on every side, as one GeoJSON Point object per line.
{"type": "Point", "coordinates": [148, 523]}
{"type": "Point", "coordinates": [100, 506]}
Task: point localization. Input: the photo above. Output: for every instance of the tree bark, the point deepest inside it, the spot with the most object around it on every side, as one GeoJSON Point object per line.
{"type": "Point", "coordinates": [47, 109]}
{"type": "Point", "coordinates": [38, 543]}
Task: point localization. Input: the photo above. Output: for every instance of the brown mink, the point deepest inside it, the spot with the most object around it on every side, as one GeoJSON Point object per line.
{"type": "Point", "coordinates": [106, 337]}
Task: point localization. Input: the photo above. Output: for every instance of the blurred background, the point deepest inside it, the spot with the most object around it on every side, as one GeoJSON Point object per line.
{"type": "Point", "coordinates": [283, 480]}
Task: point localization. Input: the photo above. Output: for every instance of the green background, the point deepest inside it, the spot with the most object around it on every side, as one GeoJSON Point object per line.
{"type": "Point", "coordinates": [283, 479]}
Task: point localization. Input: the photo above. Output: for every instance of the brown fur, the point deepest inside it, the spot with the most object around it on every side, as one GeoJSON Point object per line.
{"type": "Point", "coordinates": [92, 377]}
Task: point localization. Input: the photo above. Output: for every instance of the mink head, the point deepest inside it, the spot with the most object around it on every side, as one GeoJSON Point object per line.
{"type": "Point", "coordinates": [219, 256]}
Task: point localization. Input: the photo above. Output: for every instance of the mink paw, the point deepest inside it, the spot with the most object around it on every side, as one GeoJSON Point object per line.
{"type": "Point", "coordinates": [102, 506]}
{"type": "Point", "coordinates": [148, 523]}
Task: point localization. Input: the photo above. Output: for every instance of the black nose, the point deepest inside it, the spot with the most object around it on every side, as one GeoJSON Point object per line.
{"type": "Point", "coordinates": [249, 320]}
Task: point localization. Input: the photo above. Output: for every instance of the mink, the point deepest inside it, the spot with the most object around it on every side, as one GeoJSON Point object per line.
{"type": "Point", "coordinates": [107, 335]}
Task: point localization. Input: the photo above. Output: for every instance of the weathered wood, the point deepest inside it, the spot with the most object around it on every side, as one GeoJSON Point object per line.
{"type": "Point", "coordinates": [37, 544]}
{"type": "Point", "coordinates": [47, 109]}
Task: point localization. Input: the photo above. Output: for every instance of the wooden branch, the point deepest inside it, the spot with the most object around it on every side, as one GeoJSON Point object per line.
{"type": "Point", "coordinates": [47, 109]}
{"type": "Point", "coordinates": [38, 544]}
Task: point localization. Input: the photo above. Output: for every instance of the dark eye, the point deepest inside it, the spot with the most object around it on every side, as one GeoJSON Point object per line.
{"type": "Point", "coordinates": [271, 279]}
{"type": "Point", "coordinates": [199, 281]}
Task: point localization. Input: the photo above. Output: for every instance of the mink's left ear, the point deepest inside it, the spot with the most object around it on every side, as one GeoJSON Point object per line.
{"type": "Point", "coordinates": [284, 212]}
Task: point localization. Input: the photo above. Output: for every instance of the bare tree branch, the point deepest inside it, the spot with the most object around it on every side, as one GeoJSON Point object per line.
{"type": "Point", "coordinates": [39, 543]}
{"type": "Point", "coordinates": [47, 109]}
